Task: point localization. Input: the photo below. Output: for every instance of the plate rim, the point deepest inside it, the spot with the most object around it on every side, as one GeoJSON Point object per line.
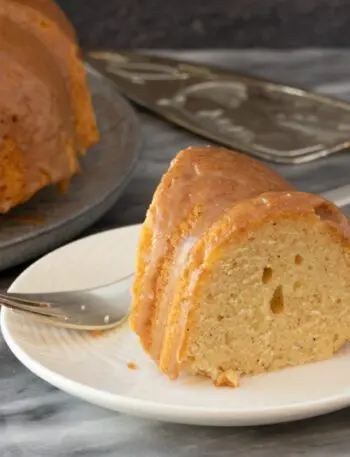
{"type": "Point", "coordinates": [150, 409]}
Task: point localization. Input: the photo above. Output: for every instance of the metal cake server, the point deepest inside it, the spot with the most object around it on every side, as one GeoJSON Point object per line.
{"type": "Point", "coordinates": [271, 121]}
{"type": "Point", "coordinates": [103, 307]}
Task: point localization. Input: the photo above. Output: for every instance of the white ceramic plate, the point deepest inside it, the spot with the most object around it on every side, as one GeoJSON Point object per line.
{"type": "Point", "coordinates": [96, 368]}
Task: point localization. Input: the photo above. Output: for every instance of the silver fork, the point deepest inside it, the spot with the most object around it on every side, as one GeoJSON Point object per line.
{"type": "Point", "coordinates": [103, 307]}
{"type": "Point", "coordinates": [100, 308]}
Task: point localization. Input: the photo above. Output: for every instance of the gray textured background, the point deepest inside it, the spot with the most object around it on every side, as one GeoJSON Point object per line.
{"type": "Point", "coordinates": [210, 23]}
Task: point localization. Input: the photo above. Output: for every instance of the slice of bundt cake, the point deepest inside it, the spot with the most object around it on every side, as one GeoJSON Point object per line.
{"type": "Point", "coordinates": [45, 21]}
{"type": "Point", "coordinates": [237, 272]}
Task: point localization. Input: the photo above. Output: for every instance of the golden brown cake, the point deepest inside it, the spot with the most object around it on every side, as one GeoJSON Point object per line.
{"type": "Point", "coordinates": [46, 115]}
{"type": "Point", "coordinates": [237, 272]}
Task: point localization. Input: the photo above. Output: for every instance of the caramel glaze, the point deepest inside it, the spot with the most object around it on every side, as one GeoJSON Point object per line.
{"type": "Point", "coordinates": [47, 9]}
{"type": "Point", "coordinates": [201, 185]}
{"type": "Point", "coordinates": [36, 122]}
{"type": "Point", "coordinates": [45, 21]}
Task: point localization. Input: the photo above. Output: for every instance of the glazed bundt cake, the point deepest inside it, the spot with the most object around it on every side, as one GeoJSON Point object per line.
{"type": "Point", "coordinates": [238, 272]}
{"type": "Point", "coordinates": [46, 115]}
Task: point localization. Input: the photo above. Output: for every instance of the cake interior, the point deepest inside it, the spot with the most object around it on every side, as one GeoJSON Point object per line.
{"type": "Point", "coordinates": [280, 298]}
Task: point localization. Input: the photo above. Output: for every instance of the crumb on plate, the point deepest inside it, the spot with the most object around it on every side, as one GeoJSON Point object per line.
{"type": "Point", "coordinates": [96, 332]}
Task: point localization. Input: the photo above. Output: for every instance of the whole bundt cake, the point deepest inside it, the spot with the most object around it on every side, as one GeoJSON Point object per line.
{"type": "Point", "coordinates": [46, 115]}
{"type": "Point", "coordinates": [238, 272]}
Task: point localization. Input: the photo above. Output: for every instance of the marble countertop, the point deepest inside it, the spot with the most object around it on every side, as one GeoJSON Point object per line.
{"type": "Point", "coordinates": [37, 420]}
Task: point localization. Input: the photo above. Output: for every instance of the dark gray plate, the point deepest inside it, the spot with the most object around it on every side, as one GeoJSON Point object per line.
{"type": "Point", "coordinates": [51, 218]}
